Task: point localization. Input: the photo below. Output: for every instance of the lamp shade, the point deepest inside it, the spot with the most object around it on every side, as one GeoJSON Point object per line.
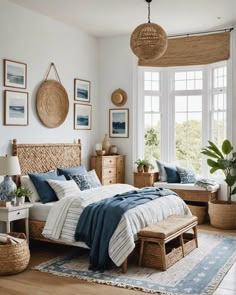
{"type": "Point", "coordinates": [9, 165]}
{"type": "Point", "coordinates": [148, 41]}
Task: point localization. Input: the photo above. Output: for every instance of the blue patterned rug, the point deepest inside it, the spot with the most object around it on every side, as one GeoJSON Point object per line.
{"type": "Point", "coordinates": [200, 272]}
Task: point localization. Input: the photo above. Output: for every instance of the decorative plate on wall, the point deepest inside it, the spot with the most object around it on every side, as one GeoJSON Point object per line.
{"type": "Point", "coordinates": [52, 103]}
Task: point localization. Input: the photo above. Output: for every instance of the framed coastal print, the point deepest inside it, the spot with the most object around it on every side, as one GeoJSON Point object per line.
{"type": "Point", "coordinates": [15, 74]}
{"type": "Point", "coordinates": [82, 90]}
{"type": "Point", "coordinates": [82, 116]}
{"type": "Point", "coordinates": [16, 108]}
{"type": "Point", "coordinates": [119, 122]}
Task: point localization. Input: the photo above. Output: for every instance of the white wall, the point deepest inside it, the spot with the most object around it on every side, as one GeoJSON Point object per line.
{"type": "Point", "coordinates": [37, 40]}
{"type": "Point", "coordinates": [116, 71]}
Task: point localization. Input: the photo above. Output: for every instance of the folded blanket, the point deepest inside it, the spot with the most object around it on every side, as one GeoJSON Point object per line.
{"type": "Point", "coordinates": [206, 183]}
{"type": "Point", "coordinates": [99, 220]}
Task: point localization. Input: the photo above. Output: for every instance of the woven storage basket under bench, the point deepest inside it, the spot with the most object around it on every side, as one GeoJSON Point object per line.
{"type": "Point", "coordinates": [163, 244]}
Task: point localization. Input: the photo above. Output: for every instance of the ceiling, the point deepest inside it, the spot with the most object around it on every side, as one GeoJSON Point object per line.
{"type": "Point", "coordinates": [102, 18]}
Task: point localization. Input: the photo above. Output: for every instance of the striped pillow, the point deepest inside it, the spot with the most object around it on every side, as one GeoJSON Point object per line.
{"type": "Point", "coordinates": [64, 188]}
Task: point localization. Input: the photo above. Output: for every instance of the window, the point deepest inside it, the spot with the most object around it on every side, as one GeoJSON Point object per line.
{"type": "Point", "coordinates": [188, 116]}
{"type": "Point", "coordinates": [152, 114]}
{"type": "Point", "coordinates": [183, 107]}
{"type": "Point", "coordinates": [218, 120]}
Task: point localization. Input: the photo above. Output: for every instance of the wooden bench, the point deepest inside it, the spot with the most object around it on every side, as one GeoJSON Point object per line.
{"type": "Point", "coordinates": [164, 243]}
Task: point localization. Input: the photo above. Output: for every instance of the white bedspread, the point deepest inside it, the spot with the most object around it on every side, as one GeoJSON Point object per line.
{"type": "Point", "coordinates": [64, 215]}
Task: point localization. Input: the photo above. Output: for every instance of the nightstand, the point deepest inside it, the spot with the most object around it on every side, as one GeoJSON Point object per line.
{"type": "Point", "coordinates": [8, 214]}
{"type": "Point", "coordinates": [142, 179]}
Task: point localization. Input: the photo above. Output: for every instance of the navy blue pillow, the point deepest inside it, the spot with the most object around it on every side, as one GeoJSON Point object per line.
{"type": "Point", "coordinates": [46, 193]}
{"type": "Point", "coordinates": [71, 171]}
{"type": "Point", "coordinates": [172, 174]}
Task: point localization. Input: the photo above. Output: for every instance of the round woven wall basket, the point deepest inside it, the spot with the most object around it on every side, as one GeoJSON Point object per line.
{"type": "Point", "coordinates": [52, 103]}
{"type": "Point", "coordinates": [14, 258]}
{"type": "Point", "coordinates": [148, 41]}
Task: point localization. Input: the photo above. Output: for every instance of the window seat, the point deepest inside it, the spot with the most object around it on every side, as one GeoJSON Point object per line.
{"type": "Point", "coordinates": [191, 192]}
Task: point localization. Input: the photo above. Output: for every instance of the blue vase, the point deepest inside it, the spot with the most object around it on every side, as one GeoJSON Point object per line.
{"type": "Point", "coordinates": [7, 187]}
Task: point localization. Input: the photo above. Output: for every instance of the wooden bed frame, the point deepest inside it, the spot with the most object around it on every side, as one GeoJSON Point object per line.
{"type": "Point", "coordinates": [40, 158]}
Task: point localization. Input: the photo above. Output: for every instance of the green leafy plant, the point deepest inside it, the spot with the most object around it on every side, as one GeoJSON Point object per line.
{"type": "Point", "coordinates": [139, 162]}
{"type": "Point", "coordinates": [146, 163]}
{"type": "Point", "coordinates": [22, 191]}
{"type": "Point", "coordinates": [223, 159]}
{"type": "Point", "coordinates": [143, 164]}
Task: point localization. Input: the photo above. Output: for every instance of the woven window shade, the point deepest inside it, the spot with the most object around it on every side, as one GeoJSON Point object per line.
{"type": "Point", "coordinates": [193, 50]}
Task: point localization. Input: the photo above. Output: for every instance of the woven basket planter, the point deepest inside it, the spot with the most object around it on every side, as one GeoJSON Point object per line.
{"type": "Point", "coordinates": [199, 210]}
{"type": "Point", "coordinates": [14, 258]}
{"type": "Point", "coordinates": [222, 215]}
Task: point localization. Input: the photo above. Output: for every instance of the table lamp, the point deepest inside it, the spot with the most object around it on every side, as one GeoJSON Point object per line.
{"type": "Point", "coordinates": [9, 166]}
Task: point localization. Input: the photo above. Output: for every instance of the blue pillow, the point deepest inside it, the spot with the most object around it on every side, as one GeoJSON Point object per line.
{"type": "Point", "coordinates": [172, 174]}
{"type": "Point", "coordinates": [46, 193]}
{"type": "Point", "coordinates": [71, 171]}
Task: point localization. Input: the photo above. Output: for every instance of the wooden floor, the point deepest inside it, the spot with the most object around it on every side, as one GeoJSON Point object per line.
{"type": "Point", "coordinates": [38, 283]}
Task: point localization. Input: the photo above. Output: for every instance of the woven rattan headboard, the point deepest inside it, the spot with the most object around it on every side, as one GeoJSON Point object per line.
{"type": "Point", "coordinates": [45, 157]}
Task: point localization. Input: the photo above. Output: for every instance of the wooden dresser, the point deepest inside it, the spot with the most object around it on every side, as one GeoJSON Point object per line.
{"type": "Point", "coordinates": [109, 169]}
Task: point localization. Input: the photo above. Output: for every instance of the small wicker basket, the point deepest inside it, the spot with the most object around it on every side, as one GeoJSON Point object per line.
{"type": "Point", "coordinates": [14, 258]}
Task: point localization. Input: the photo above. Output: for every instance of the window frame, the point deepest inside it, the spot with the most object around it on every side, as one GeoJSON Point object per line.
{"type": "Point", "coordinates": [167, 106]}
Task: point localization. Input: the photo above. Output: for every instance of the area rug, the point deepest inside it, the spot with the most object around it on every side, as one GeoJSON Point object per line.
{"type": "Point", "coordinates": [200, 272]}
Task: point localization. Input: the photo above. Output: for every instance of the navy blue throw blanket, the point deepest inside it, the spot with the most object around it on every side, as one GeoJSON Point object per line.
{"type": "Point", "coordinates": [99, 220]}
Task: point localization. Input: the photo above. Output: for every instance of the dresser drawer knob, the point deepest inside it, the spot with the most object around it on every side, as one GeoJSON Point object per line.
{"type": "Point", "coordinates": [110, 181]}
{"type": "Point", "coordinates": [18, 213]}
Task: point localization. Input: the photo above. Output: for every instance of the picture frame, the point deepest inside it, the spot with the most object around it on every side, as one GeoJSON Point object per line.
{"type": "Point", "coordinates": [119, 123]}
{"type": "Point", "coordinates": [15, 74]}
{"type": "Point", "coordinates": [82, 90]}
{"type": "Point", "coordinates": [82, 116]}
{"type": "Point", "coordinates": [16, 108]}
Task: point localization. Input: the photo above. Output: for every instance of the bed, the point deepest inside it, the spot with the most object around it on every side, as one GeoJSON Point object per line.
{"type": "Point", "coordinates": [39, 158]}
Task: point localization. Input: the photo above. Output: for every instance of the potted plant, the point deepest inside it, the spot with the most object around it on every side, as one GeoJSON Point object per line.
{"type": "Point", "coordinates": [222, 213]}
{"type": "Point", "coordinates": [140, 165]}
{"type": "Point", "coordinates": [20, 193]}
{"type": "Point", "coordinates": [147, 166]}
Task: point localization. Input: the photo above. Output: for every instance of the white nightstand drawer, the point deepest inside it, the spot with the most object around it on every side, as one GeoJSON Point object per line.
{"type": "Point", "coordinates": [18, 214]}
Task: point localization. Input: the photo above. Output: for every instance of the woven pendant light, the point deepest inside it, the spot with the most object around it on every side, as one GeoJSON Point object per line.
{"type": "Point", "coordinates": [148, 41]}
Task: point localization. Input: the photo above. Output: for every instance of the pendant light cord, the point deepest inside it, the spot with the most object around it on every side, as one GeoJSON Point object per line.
{"type": "Point", "coordinates": [148, 12]}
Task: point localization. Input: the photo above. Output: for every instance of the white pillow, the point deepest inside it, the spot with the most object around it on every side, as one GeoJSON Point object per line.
{"type": "Point", "coordinates": [27, 183]}
{"type": "Point", "coordinates": [94, 180]}
{"type": "Point", "coordinates": [64, 189]}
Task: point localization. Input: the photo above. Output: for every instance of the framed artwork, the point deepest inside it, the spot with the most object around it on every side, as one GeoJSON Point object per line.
{"type": "Point", "coordinates": [16, 108]}
{"type": "Point", "coordinates": [82, 116]}
{"type": "Point", "coordinates": [82, 90]}
{"type": "Point", "coordinates": [15, 74]}
{"type": "Point", "coordinates": [119, 122]}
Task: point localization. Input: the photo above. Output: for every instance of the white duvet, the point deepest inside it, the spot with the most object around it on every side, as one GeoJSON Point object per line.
{"type": "Point", "coordinates": [64, 215]}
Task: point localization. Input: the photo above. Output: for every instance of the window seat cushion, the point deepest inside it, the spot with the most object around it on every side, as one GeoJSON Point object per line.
{"type": "Point", "coordinates": [186, 186]}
